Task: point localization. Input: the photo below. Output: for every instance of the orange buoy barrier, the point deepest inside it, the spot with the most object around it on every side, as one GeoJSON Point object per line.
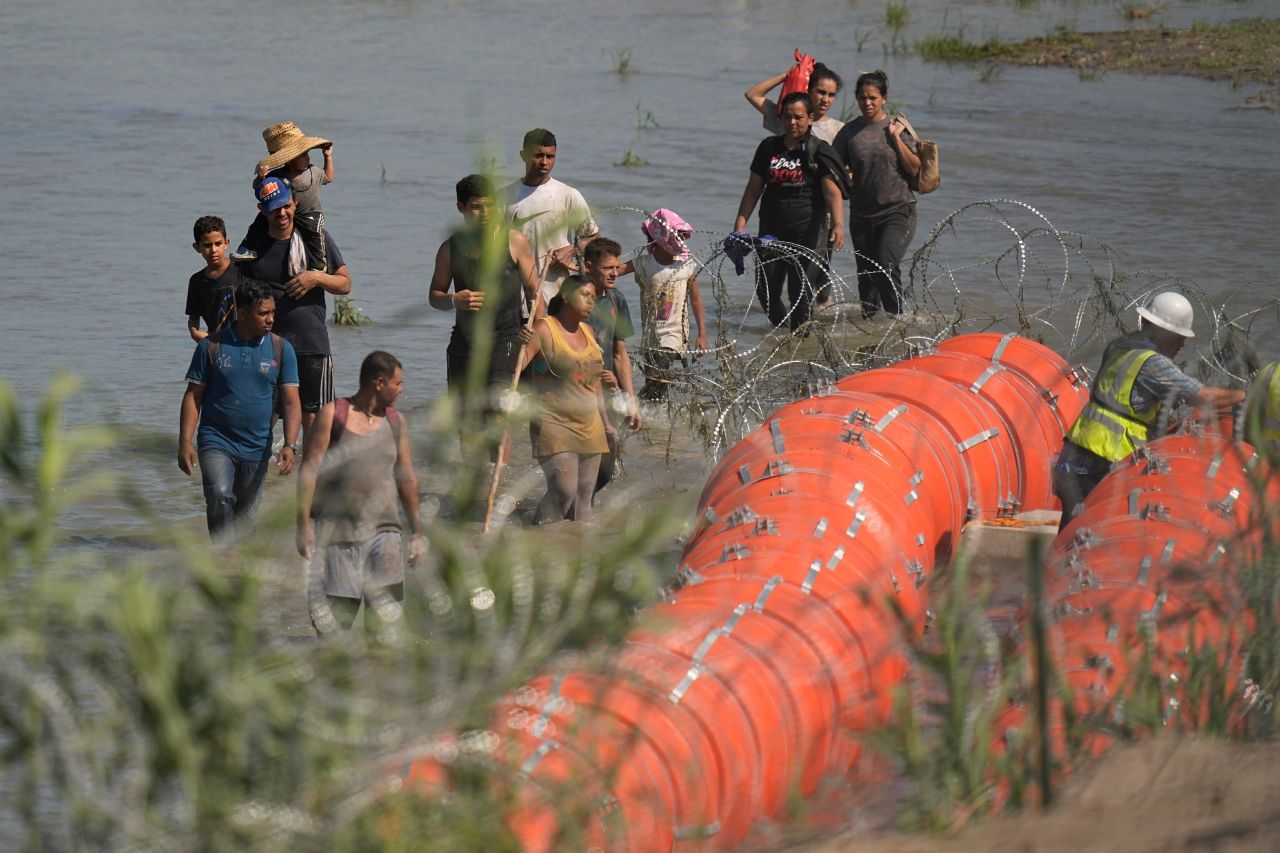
{"type": "Point", "coordinates": [781, 640]}
{"type": "Point", "coordinates": [1145, 579]}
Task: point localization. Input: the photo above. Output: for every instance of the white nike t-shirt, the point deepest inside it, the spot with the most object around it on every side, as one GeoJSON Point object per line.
{"type": "Point", "coordinates": [551, 216]}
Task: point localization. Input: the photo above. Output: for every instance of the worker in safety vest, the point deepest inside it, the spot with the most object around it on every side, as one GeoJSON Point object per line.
{"type": "Point", "coordinates": [1262, 412]}
{"type": "Point", "coordinates": [1136, 380]}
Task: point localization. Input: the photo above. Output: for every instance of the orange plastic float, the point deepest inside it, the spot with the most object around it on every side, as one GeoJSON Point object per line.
{"type": "Point", "coordinates": [979, 432]}
{"type": "Point", "coordinates": [1064, 390]}
{"type": "Point", "coordinates": [815, 538]}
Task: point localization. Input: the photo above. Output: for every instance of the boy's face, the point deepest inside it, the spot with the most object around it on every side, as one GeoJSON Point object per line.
{"type": "Point", "coordinates": [478, 210]}
{"type": "Point", "coordinates": [604, 272]}
{"type": "Point", "coordinates": [539, 162]}
{"type": "Point", "coordinates": [300, 163]}
{"type": "Point", "coordinates": [212, 246]}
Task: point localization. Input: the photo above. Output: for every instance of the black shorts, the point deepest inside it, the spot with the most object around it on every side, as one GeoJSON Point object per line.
{"type": "Point", "coordinates": [315, 381]}
{"type": "Point", "coordinates": [501, 367]}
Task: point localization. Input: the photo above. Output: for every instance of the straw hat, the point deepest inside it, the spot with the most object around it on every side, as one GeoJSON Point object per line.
{"type": "Point", "coordinates": [284, 142]}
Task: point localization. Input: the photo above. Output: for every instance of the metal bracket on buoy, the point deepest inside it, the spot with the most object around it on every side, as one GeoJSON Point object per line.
{"type": "Point", "coordinates": [1226, 506]}
{"type": "Point", "coordinates": [1214, 465]}
{"type": "Point", "coordinates": [1144, 570]}
{"type": "Point", "coordinates": [540, 753]}
{"type": "Point", "coordinates": [820, 529]}
{"type": "Point", "coordinates": [740, 516]}
{"type": "Point", "coordinates": [836, 556]}
{"type": "Point", "coordinates": [769, 586]}
{"type": "Point", "coordinates": [854, 436]}
{"type": "Point", "coordinates": [1008, 505]}
{"type": "Point", "coordinates": [779, 446]}
{"type": "Point", "coordinates": [686, 575]}
{"type": "Point", "coordinates": [975, 440]}
{"type": "Point", "coordinates": [858, 518]}
{"type": "Point", "coordinates": [916, 569]}
{"type": "Point", "coordinates": [889, 417]}
{"type": "Point", "coordinates": [858, 416]}
{"type": "Point", "coordinates": [976, 387]}
{"type": "Point", "coordinates": [855, 494]}
{"type": "Point", "coordinates": [1050, 398]}
{"type": "Point", "coordinates": [734, 552]}
{"type": "Point", "coordinates": [998, 353]}
{"type": "Point", "coordinates": [1157, 511]}
{"type": "Point", "coordinates": [814, 569]}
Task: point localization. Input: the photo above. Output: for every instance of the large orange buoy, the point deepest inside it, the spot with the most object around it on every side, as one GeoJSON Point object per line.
{"type": "Point", "coordinates": [781, 642]}
{"type": "Point", "coordinates": [980, 434]}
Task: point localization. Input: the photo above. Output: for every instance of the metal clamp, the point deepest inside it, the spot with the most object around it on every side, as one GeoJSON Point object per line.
{"type": "Point", "coordinates": [769, 586]}
{"type": "Point", "coordinates": [976, 387]}
{"type": "Point", "coordinates": [889, 417]}
{"type": "Point", "coordinates": [779, 445]}
{"type": "Point", "coordinates": [974, 440]}
{"type": "Point", "coordinates": [855, 494]}
{"type": "Point", "coordinates": [836, 556]}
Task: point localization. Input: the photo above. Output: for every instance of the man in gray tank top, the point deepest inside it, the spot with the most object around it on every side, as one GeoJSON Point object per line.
{"type": "Point", "coordinates": [356, 477]}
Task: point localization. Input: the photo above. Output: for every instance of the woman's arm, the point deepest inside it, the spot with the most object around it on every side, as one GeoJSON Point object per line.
{"type": "Point", "coordinates": [835, 206]}
{"type": "Point", "coordinates": [907, 158]}
{"type": "Point", "coordinates": [750, 195]}
{"type": "Point", "coordinates": [756, 94]}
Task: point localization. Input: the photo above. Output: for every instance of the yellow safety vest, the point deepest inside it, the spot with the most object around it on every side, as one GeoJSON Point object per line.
{"type": "Point", "coordinates": [1109, 427]}
{"type": "Point", "coordinates": [1262, 413]}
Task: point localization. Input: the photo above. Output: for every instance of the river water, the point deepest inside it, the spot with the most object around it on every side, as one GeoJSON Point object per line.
{"type": "Point", "coordinates": [124, 121]}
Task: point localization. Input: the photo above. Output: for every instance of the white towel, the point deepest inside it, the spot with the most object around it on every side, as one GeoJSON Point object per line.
{"type": "Point", "coordinates": [297, 254]}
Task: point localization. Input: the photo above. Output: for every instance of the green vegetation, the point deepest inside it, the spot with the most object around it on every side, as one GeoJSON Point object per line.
{"type": "Point", "coordinates": [621, 60]}
{"type": "Point", "coordinates": [946, 715]}
{"type": "Point", "coordinates": [631, 159]}
{"type": "Point", "coordinates": [1239, 51]}
{"type": "Point", "coordinates": [895, 16]}
{"type": "Point", "coordinates": [345, 313]}
{"type": "Point", "coordinates": [645, 119]}
{"type": "Point", "coordinates": [150, 694]}
{"type": "Point", "coordinates": [957, 48]}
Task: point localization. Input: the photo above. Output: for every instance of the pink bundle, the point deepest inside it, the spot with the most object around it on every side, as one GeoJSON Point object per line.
{"type": "Point", "coordinates": [667, 230]}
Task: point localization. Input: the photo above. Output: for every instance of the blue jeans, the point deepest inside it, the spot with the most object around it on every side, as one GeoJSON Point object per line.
{"type": "Point", "coordinates": [232, 486]}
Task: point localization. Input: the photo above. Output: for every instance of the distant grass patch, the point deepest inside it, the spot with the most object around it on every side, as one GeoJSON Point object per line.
{"type": "Point", "coordinates": [956, 48]}
{"type": "Point", "coordinates": [1239, 51]}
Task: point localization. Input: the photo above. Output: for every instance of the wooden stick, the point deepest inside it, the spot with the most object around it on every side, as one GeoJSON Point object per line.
{"type": "Point", "coordinates": [515, 384]}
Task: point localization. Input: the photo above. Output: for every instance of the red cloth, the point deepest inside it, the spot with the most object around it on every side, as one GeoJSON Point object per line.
{"type": "Point", "coordinates": [797, 79]}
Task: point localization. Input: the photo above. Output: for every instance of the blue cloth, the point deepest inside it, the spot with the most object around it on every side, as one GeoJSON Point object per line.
{"type": "Point", "coordinates": [232, 487]}
{"type": "Point", "coordinates": [739, 244]}
{"type": "Point", "coordinates": [239, 391]}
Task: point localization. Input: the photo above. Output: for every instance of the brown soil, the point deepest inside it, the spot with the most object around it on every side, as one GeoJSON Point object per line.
{"type": "Point", "coordinates": [1169, 794]}
{"type": "Point", "coordinates": [1240, 51]}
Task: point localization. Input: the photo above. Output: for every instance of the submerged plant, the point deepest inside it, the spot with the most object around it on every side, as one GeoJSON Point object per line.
{"type": "Point", "coordinates": [345, 313]}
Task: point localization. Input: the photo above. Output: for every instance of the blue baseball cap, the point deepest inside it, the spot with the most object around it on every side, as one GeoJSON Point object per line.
{"type": "Point", "coordinates": [273, 193]}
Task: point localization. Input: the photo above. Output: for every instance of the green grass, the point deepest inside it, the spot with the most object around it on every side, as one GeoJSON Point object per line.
{"type": "Point", "coordinates": [621, 60]}
{"type": "Point", "coordinates": [896, 16]}
{"type": "Point", "coordinates": [150, 694]}
{"type": "Point", "coordinates": [345, 313]}
{"type": "Point", "coordinates": [956, 48]}
{"type": "Point", "coordinates": [630, 159]}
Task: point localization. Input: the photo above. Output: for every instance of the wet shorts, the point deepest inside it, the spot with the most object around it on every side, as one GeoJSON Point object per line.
{"type": "Point", "coordinates": [315, 381]}
{"type": "Point", "coordinates": [355, 569]}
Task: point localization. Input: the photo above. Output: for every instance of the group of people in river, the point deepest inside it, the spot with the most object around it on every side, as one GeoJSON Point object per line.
{"type": "Point", "coordinates": [535, 288]}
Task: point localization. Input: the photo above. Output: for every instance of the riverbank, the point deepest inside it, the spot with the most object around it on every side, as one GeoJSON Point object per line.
{"type": "Point", "coordinates": [1243, 52]}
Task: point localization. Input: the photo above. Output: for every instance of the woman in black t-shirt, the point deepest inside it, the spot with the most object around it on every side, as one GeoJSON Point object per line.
{"type": "Point", "coordinates": [795, 177]}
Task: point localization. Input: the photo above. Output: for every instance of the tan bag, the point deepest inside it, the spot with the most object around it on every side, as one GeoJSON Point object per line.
{"type": "Point", "coordinates": [928, 179]}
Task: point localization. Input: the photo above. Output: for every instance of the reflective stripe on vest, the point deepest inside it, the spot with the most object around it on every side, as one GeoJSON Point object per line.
{"type": "Point", "coordinates": [1262, 415]}
{"type": "Point", "coordinates": [1109, 427]}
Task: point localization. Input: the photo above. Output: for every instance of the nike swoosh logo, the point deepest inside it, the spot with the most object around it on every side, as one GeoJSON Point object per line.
{"type": "Point", "coordinates": [521, 221]}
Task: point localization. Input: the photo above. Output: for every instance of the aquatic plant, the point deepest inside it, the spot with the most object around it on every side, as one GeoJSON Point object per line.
{"type": "Point", "coordinates": [345, 313]}
{"type": "Point", "coordinates": [621, 57]}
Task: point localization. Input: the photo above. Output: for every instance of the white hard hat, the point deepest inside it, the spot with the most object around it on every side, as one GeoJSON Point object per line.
{"type": "Point", "coordinates": [1171, 311]}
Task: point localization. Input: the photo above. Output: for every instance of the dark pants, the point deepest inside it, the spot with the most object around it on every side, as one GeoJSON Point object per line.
{"type": "Point", "coordinates": [310, 224]}
{"type": "Point", "coordinates": [880, 247]}
{"type": "Point", "coordinates": [1076, 473]}
{"type": "Point", "coordinates": [796, 269]}
{"type": "Point", "coordinates": [232, 487]}
{"type": "Point", "coordinates": [658, 373]}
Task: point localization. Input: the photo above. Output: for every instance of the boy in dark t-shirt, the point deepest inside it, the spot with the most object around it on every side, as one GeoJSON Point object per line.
{"type": "Point", "coordinates": [211, 291]}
